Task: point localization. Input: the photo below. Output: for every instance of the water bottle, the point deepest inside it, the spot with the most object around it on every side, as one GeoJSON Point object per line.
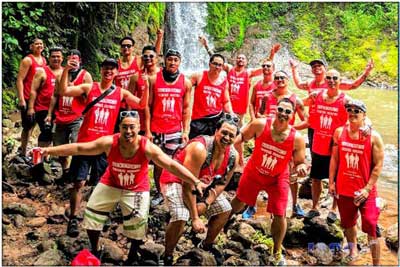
{"type": "Point", "coordinates": [356, 194]}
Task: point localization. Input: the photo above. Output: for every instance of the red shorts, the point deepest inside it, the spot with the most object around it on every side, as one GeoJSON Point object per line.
{"type": "Point", "coordinates": [349, 214]}
{"type": "Point", "coordinates": [277, 189]}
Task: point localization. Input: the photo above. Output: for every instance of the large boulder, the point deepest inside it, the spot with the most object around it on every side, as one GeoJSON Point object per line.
{"type": "Point", "coordinates": [151, 251]}
{"type": "Point", "coordinates": [51, 257]}
{"type": "Point", "coordinates": [392, 237]}
{"type": "Point", "coordinates": [318, 230]}
{"type": "Point", "coordinates": [295, 234]}
{"type": "Point", "coordinates": [322, 253]}
{"type": "Point", "coordinates": [19, 208]}
{"type": "Point", "coordinates": [196, 257]}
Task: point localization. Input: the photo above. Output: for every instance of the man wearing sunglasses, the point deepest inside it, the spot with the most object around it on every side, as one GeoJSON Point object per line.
{"type": "Point", "coordinates": [206, 157]}
{"type": "Point", "coordinates": [98, 121]}
{"type": "Point", "coordinates": [125, 182]}
{"type": "Point", "coordinates": [356, 163]}
{"type": "Point", "coordinates": [276, 143]}
{"type": "Point", "coordinates": [211, 97]}
{"type": "Point", "coordinates": [169, 106]}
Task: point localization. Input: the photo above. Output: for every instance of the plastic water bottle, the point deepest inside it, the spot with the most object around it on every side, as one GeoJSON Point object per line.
{"type": "Point", "coordinates": [356, 194]}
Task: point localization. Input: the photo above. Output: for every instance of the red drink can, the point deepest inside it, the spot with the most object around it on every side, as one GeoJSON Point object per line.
{"type": "Point", "coordinates": [36, 155]}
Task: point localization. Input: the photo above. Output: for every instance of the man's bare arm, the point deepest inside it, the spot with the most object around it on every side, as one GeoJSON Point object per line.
{"type": "Point", "coordinates": [23, 71]}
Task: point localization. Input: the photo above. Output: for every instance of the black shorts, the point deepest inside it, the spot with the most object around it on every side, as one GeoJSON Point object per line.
{"type": "Point", "coordinates": [45, 132]}
{"type": "Point", "coordinates": [27, 122]}
{"type": "Point", "coordinates": [319, 166]}
{"type": "Point", "coordinates": [310, 133]}
{"type": "Point", "coordinates": [167, 142]}
{"type": "Point", "coordinates": [204, 126]}
{"type": "Point", "coordinates": [80, 166]}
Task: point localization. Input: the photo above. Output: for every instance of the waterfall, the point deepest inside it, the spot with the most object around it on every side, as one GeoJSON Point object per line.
{"type": "Point", "coordinates": [185, 22]}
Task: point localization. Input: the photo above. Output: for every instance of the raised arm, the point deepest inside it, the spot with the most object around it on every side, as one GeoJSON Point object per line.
{"type": "Point", "coordinates": [160, 34]}
{"type": "Point", "coordinates": [204, 42]}
{"type": "Point", "coordinates": [357, 82]}
{"type": "Point", "coordinates": [23, 71]}
{"type": "Point", "coordinates": [186, 111]}
{"type": "Point", "coordinates": [37, 82]}
{"type": "Point", "coordinates": [259, 71]}
{"type": "Point", "coordinates": [296, 78]}
{"type": "Point", "coordinates": [74, 90]}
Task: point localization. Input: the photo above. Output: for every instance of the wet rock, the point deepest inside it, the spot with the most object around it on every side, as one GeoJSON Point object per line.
{"type": "Point", "coordinates": [152, 251]}
{"type": "Point", "coordinates": [318, 230]}
{"type": "Point", "coordinates": [51, 257]}
{"type": "Point", "coordinates": [196, 257]}
{"type": "Point", "coordinates": [19, 208]}
{"type": "Point", "coordinates": [234, 246]}
{"type": "Point", "coordinates": [392, 237]}
{"type": "Point", "coordinates": [323, 254]}
{"type": "Point", "coordinates": [112, 252]}
{"type": "Point", "coordinates": [262, 225]}
{"type": "Point", "coordinates": [295, 234]}
{"type": "Point", "coordinates": [18, 220]}
{"type": "Point", "coordinates": [36, 222]}
{"type": "Point", "coordinates": [251, 256]}
{"type": "Point", "coordinates": [47, 245]}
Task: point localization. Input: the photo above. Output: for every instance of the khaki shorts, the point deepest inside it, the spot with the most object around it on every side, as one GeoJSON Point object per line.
{"type": "Point", "coordinates": [134, 205]}
{"type": "Point", "coordinates": [173, 194]}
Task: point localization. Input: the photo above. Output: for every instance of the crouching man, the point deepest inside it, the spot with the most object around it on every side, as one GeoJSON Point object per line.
{"type": "Point", "coordinates": [125, 180]}
{"type": "Point", "coordinates": [212, 159]}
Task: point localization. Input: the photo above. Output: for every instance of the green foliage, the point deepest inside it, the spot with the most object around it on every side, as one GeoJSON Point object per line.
{"type": "Point", "coordinates": [10, 101]}
{"type": "Point", "coordinates": [260, 238]}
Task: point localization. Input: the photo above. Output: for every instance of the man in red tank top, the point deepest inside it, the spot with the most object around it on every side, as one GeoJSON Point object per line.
{"type": "Point", "coordinates": [42, 89]}
{"type": "Point", "coordinates": [125, 182]}
{"type": "Point", "coordinates": [169, 105]}
{"type": "Point", "coordinates": [211, 97]}
{"type": "Point", "coordinates": [68, 110]}
{"type": "Point", "coordinates": [276, 142]}
{"type": "Point", "coordinates": [206, 157]}
{"type": "Point", "coordinates": [98, 121]}
{"type": "Point", "coordinates": [356, 163]}
{"type": "Point", "coordinates": [27, 69]}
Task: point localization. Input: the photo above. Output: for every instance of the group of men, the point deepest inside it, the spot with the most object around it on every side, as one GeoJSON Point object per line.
{"type": "Point", "coordinates": [140, 112]}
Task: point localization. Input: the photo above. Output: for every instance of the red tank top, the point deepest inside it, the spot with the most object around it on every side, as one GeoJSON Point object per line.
{"type": "Point", "coordinates": [272, 103]}
{"type": "Point", "coordinates": [31, 73]}
{"type": "Point", "coordinates": [329, 117]}
{"type": "Point", "coordinates": [354, 170]}
{"type": "Point", "coordinates": [207, 172]}
{"type": "Point", "coordinates": [167, 106]}
{"type": "Point", "coordinates": [123, 76]}
{"type": "Point", "coordinates": [101, 118]}
{"type": "Point", "coordinates": [209, 99]}
{"type": "Point", "coordinates": [128, 174]}
{"type": "Point", "coordinates": [70, 108]}
{"type": "Point", "coordinates": [311, 88]}
{"type": "Point", "coordinates": [140, 86]}
{"type": "Point", "coordinates": [271, 159]}
{"type": "Point", "coordinates": [260, 93]}
{"type": "Point", "coordinates": [239, 90]}
{"type": "Point", "coordinates": [45, 91]}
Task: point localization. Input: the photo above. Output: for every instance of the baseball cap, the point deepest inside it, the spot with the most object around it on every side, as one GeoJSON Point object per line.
{"type": "Point", "coordinates": [319, 61]}
{"type": "Point", "coordinates": [356, 103]}
{"type": "Point", "coordinates": [173, 52]}
{"type": "Point", "coordinates": [109, 62]}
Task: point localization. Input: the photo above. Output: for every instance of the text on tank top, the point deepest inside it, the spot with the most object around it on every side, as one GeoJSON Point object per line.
{"type": "Point", "coordinates": [272, 104]}
{"type": "Point", "coordinates": [355, 163]}
{"type": "Point", "coordinates": [27, 82]}
{"type": "Point", "coordinates": [329, 117]}
{"type": "Point", "coordinates": [46, 91]}
{"type": "Point", "coordinates": [70, 108]}
{"type": "Point", "coordinates": [128, 174]}
{"type": "Point", "coordinates": [208, 98]}
{"type": "Point", "coordinates": [270, 158]}
{"type": "Point", "coordinates": [312, 88]}
{"type": "Point", "coordinates": [101, 118]}
{"type": "Point", "coordinates": [260, 92]}
{"type": "Point", "coordinates": [124, 75]}
{"type": "Point", "coordinates": [239, 86]}
{"type": "Point", "coordinates": [167, 106]}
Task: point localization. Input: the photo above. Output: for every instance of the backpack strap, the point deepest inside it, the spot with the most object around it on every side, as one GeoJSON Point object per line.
{"type": "Point", "coordinates": [98, 99]}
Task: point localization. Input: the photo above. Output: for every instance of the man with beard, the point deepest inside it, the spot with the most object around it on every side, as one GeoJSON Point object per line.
{"type": "Point", "coordinates": [211, 97]}
{"type": "Point", "coordinates": [68, 110]}
{"type": "Point", "coordinates": [356, 163]}
{"type": "Point", "coordinates": [206, 157]}
{"type": "Point", "coordinates": [27, 69]}
{"type": "Point", "coordinates": [42, 89]}
{"type": "Point", "coordinates": [125, 182]}
{"type": "Point", "coordinates": [169, 105]}
{"type": "Point", "coordinates": [98, 121]}
{"type": "Point", "coordinates": [276, 142]}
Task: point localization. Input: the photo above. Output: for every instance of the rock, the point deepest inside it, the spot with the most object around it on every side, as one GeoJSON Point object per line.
{"type": "Point", "coordinates": [19, 208]}
{"type": "Point", "coordinates": [262, 225]}
{"type": "Point", "coordinates": [244, 240]}
{"type": "Point", "coordinates": [251, 256]}
{"type": "Point", "coordinates": [33, 236]}
{"type": "Point", "coordinates": [18, 220]}
{"type": "Point", "coordinates": [51, 257]}
{"type": "Point", "coordinates": [309, 260]}
{"type": "Point", "coordinates": [196, 257]}
{"type": "Point", "coordinates": [36, 222]}
{"type": "Point", "coordinates": [112, 252]}
{"type": "Point", "coordinates": [229, 253]}
{"type": "Point", "coordinates": [8, 187]}
{"type": "Point", "coordinates": [323, 254]}
{"type": "Point", "coordinates": [236, 261]}
{"type": "Point", "coordinates": [318, 230]}
{"type": "Point", "coordinates": [56, 215]}
{"type": "Point", "coordinates": [6, 220]}
{"type": "Point", "coordinates": [237, 247]}
{"type": "Point", "coordinates": [243, 233]}
{"type": "Point", "coordinates": [7, 123]}
{"type": "Point", "coordinates": [46, 245]}
{"type": "Point", "coordinates": [305, 189]}
{"type": "Point", "coordinates": [263, 249]}
{"type": "Point", "coordinates": [392, 237]}
{"type": "Point", "coordinates": [295, 234]}
{"type": "Point", "coordinates": [72, 246]}
{"type": "Point", "coordinates": [151, 251]}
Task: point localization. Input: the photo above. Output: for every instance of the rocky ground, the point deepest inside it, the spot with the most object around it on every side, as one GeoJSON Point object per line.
{"type": "Point", "coordinates": [35, 210]}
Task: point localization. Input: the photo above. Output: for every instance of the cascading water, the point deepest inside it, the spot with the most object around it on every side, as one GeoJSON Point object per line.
{"type": "Point", "coordinates": [185, 22]}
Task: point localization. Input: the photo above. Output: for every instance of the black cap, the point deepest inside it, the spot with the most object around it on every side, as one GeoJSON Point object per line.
{"type": "Point", "coordinates": [173, 52]}
{"type": "Point", "coordinates": [109, 62]}
{"type": "Point", "coordinates": [318, 61]}
{"type": "Point", "coordinates": [356, 103]}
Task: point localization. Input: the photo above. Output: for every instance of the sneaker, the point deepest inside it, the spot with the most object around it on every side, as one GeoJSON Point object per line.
{"type": "Point", "coordinates": [72, 229]}
{"type": "Point", "coordinates": [277, 260]}
{"type": "Point", "coordinates": [249, 212]}
{"type": "Point", "coordinates": [298, 212]}
{"type": "Point", "coordinates": [331, 218]}
{"type": "Point", "coordinates": [157, 200]}
{"type": "Point", "coordinates": [311, 214]}
{"type": "Point", "coordinates": [168, 260]}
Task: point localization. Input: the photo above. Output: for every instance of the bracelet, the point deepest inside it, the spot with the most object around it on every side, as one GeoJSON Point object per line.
{"type": "Point", "coordinates": [367, 189]}
{"type": "Point", "coordinates": [196, 183]}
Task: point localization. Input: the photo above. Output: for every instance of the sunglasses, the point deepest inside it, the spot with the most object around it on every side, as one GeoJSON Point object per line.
{"type": "Point", "coordinates": [284, 110]}
{"type": "Point", "coordinates": [128, 113]}
{"type": "Point", "coordinates": [266, 65]}
{"type": "Point", "coordinates": [281, 78]}
{"type": "Point", "coordinates": [126, 46]}
{"type": "Point", "coordinates": [216, 64]}
{"type": "Point", "coordinates": [147, 56]}
{"type": "Point", "coordinates": [353, 110]}
{"type": "Point", "coordinates": [229, 117]}
{"type": "Point", "coordinates": [335, 78]}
